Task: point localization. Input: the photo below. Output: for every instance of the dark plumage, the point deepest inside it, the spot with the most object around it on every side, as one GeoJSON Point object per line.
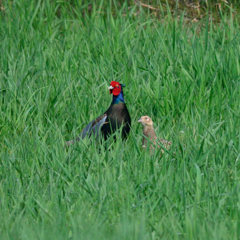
{"type": "Point", "coordinates": [117, 115]}
{"type": "Point", "coordinates": [149, 133]}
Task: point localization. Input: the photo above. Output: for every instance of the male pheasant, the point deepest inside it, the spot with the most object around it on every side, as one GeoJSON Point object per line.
{"type": "Point", "coordinates": [111, 120]}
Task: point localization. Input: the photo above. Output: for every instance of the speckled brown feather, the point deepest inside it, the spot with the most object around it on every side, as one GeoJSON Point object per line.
{"type": "Point", "coordinates": [150, 135]}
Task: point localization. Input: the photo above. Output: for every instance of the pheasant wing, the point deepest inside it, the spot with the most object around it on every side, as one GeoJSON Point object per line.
{"type": "Point", "coordinates": [94, 127]}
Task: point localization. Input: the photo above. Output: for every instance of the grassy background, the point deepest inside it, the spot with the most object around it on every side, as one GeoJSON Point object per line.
{"type": "Point", "coordinates": [54, 71]}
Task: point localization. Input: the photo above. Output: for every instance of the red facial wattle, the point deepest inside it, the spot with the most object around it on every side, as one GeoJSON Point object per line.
{"type": "Point", "coordinates": [116, 88]}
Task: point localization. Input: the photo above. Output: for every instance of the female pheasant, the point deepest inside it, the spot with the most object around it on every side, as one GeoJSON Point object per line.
{"type": "Point", "coordinates": [111, 120]}
{"type": "Point", "coordinates": [149, 133]}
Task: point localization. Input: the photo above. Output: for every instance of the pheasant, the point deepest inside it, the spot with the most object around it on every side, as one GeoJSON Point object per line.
{"type": "Point", "coordinates": [149, 133]}
{"type": "Point", "coordinates": [111, 120]}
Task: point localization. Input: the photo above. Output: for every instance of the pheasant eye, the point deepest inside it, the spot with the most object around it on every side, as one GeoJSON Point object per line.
{"type": "Point", "coordinates": [147, 119]}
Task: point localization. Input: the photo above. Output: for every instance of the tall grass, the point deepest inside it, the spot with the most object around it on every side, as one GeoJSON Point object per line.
{"type": "Point", "coordinates": [55, 69]}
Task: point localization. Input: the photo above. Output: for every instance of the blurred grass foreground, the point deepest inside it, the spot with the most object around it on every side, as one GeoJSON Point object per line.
{"type": "Point", "coordinates": [180, 61]}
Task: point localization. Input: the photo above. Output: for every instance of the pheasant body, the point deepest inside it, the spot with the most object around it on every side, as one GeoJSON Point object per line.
{"type": "Point", "coordinates": [115, 117]}
{"type": "Point", "coordinates": [149, 133]}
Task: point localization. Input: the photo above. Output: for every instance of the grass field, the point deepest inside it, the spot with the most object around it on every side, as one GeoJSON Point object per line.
{"type": "Point", "coordinates": [55, 67]}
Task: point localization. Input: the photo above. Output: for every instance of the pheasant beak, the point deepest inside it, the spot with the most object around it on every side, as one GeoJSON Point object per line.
{"type": "Point", "coordinates": [110, 89]}
{"type": "Point", "coordinates": [140, 120]}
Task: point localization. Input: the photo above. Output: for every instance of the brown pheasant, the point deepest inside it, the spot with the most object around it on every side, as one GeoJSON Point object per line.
{"type": "Point", "coordinates": [149, 133]}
